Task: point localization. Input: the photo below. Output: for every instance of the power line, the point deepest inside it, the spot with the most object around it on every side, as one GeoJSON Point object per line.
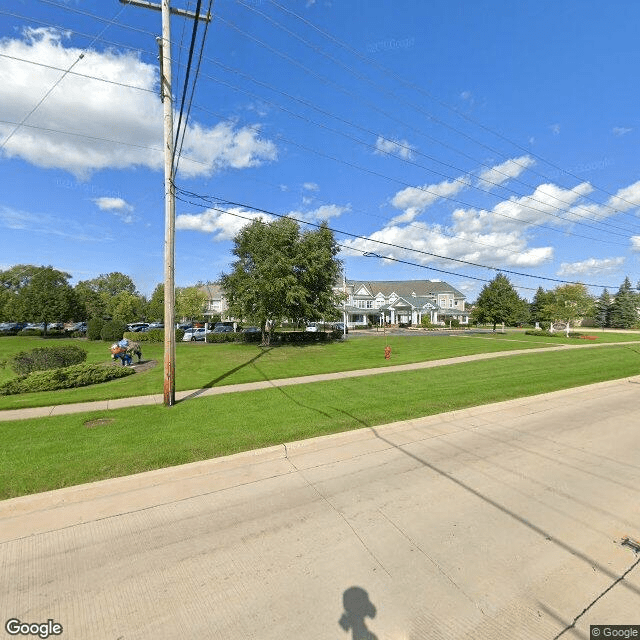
{"type": "Point", "coordinates": [56, 83]}
{"type": "Point", "coordinates": [209, 199]}
{"type": "Point", "coordinates": [422, 91]}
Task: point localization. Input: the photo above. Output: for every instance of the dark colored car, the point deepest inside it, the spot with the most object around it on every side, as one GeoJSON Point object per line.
{"type": "Point", "coordinates": [223, 329]}
{"type": "Point", "coordinates": [251, 330]}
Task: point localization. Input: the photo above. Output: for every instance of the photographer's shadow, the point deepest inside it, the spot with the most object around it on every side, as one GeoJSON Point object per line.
{"type": "Point", "coordinates": [357, 607]}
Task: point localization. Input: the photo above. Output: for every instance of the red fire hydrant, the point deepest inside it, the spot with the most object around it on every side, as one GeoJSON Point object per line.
{"type": "Point", "coordinates": [387, 353]}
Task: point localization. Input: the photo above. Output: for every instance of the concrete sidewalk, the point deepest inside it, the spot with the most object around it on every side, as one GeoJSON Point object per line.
{"type": "Point", "coordinates": [496, 522]}
{"type": "Point", "coordinates": [119, 403]}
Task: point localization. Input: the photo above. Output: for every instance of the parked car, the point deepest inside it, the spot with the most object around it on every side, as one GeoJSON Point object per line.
{"type": "Point", "coordinates": [195, 335]}
{"type": "Point", "coordinates": [136, 326]}
{"type": "Point", "coordinates": [186, 326]}
{"type": "Point", "coordinates": [339, 326]}
{"type": "Point", "coordinates": [223, 329]}
{"type": "Point", "coordinates": [77, 326]}
{"type": "Point", "coordinates": [156, 325]}
{"type": "Point", "coordinates": [237, 327]}
{"type": "Point", "coordinates": [55, 325]}
{"type": "Point", "coordinates": [312, 326]}
{"type": "Point", "coordinates": [251, 330]}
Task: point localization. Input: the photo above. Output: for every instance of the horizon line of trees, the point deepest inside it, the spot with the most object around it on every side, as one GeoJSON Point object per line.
{"type": "Point", "coordinates": [42, 294]}
{"type": "Point", "coordinates": [566, 304]}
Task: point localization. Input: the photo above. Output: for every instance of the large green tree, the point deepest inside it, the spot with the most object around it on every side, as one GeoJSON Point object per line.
{"type": "Point", "coordinates": [282, 273]}
{"type": "Point", "coordinates": [499, 302]}
{"type": "Point", "coordinates": [603, 309]}
{"type": "Point", "coordinates": [46, 297]}
{"type": "Point", "coordinates": [155, 306]}
{"type": "Point", "coordinates": [624, 310]}
{"type": "Point", "coordinates": [190, 303]}
{"type": "Point", "coordinates": [537, 307]}
{"type": "Point", "coordinates": [570, 303]}
{"type": "Point", "coordinates": [111, 295]}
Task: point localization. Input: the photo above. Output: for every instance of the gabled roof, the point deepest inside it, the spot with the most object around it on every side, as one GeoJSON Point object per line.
{"type": "Point", "coordinates": [404, 288]}
{"type": "Point", "coordinates": [417, 302]}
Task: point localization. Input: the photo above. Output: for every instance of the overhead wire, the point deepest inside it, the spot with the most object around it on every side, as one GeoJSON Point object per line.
{"type": "Point", "coordinates": [209, 199]}
{"type": "Point", "coordinates": [435, 99]}
{"type": "Point", "coordinates": [413, 105]}
{"type": "Point", "coordinates": [57, 82]}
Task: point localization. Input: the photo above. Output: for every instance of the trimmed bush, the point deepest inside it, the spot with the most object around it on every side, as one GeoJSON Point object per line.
{"type": "Point", "coordinates": [30, 332]}
{"type": "Point", "coordinates": [224, 337]}
{"type": "Point", "coordinates": [44, 358]}
{"type": "Point", "coordinates": [113, 330]}
{"type": "Point", "coordinates": [78, 375]}
{"type": "Point", "coordinates": [94, 328]}
{"type": "Point", "coordinates": [153, 335]}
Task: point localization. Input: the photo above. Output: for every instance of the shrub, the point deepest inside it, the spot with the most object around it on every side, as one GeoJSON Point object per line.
{"type": "Point", "coordinates": [30, 332]}
{"type": "Point", "coordinates": [455, 322]}
{"type": "Point", "coordinates": [94, 327]}
{"type": "Point", "coordinates": [78, 375]}
{"type": "Point", "coordinates": [153, 335]}
{"type": "Point", "coordinates": [426, 322]}
{"type": "Point", "coordinates": [224, 337]}
{"type": "Point", "coordinates": [43, 358]}
{"type": "Point", "coordinates": [113, 330]}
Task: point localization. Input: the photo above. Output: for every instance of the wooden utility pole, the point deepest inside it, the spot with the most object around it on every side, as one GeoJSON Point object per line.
{"type": "Point", "coordinates": [169, 190]}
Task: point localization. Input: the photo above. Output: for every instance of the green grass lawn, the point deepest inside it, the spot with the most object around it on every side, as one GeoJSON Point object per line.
{"type": "Point", "coordinates": [200, 365]}
{"type": "Point", "coordinates": [49, 453]}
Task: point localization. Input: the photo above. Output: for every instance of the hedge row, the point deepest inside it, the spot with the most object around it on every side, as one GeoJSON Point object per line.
{"type": "Point", "coordinates": [556, 334]}
{"type": "Point", "coordinates": [153, 335]}
{"type": "Point", "coordinates": [44, 358]}
{"type": "Point", "coordinates": [78, 375]}
{"type": "Point", "coordinates": [277, 337]}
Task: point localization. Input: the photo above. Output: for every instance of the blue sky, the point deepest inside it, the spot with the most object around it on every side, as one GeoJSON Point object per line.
{"type": "Point", "coordinates": [453, 131]}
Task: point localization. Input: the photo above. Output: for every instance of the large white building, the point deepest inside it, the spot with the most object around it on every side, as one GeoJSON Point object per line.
{"type": "Point", "coordinates": [377, 301]}
{"type": "Point", "coordinates": [402, 302]}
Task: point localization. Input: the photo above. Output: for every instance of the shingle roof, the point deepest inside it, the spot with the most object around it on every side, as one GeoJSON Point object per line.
{"type": "Point", "coordinates": [404, 288]}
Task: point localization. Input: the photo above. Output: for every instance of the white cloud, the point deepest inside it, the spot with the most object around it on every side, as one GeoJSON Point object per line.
{"type": "Point", "coordinates": [591, 266]}
{"type": "Point", "coordinates": [324, 212]}
{"type": "Point", "coordinates": [624, 200]}
{"type": "Point", "coordinates": [414, 200]}
{"type": "Point", "coordinates": [225, 225]}
{"type": "Point", "coordinates": [113, 204]}
{"type": "Point", "coordinates": [310, 186]}
{"type": "Point", "coordinates": [400, 148]}
{"type": "Point", "coordinates": [621, 131]}
{"type": "Point", "coordinates": [509, 169]}
{"type": "Point", "coordinates": [118, 206]}
{"type": "Point", "coordinates": [98, 112]}
{"type": "Point", "coordinates": [635, 243]}
{"type": "Point", "coordinates": [555, 129]}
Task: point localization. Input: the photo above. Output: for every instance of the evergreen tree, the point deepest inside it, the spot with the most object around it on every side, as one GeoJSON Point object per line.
{"type": "Point", "coordinates": [624, 310]}
{"type": "Point", "coordinates": [603, 309]}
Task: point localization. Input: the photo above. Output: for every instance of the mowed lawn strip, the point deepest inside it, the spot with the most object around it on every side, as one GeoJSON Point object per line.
{"type": "Point", "coordinates": [50, 453]}
{"type": "Point", "coordinates": [201, 365]}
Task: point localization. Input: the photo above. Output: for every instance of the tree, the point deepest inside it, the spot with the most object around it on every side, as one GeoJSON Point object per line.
{"type": "Point", "coordinates": [624, 310]}
{"type": "Point", "coordinates": [570, 303]}
{"type": "Point", "coordinates": [603, 309]}
{"type": "Point", "coordinates": [280, 273]}
{"type": "Point", "coordinates": [190, 302]}
{"type": "Point", "coordinates": [499, 302]}
{"type": "Point", "coordinates": [540, 300]}
{"type": "Point", "coordinates": [11, 282]}
{"type": "Point", "coordinates": [47, 297]}
{"type": "Point", "coordinates": [126, 307]}
{"type": "Point", "coordinates": [155, 306]}
{"type": "Point", "coordinates": [97, 294]}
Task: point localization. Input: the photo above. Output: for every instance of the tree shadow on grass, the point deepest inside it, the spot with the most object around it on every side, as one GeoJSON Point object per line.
{"type": "Point", "coordinates": [225, 375]}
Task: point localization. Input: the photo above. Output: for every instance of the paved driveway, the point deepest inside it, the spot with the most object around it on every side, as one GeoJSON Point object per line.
{"type": "Point", "coordinates": [504, 521]}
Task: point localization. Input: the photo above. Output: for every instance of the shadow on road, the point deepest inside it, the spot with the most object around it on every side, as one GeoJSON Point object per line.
{"type": "Point", "coordinates": [357, 607]}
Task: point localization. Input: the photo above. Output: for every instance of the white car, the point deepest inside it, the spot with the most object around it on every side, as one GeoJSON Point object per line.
{"type": "Point", "coordinates": [312, 326]}
{"type": "Point", "coordinates": [194, 335]}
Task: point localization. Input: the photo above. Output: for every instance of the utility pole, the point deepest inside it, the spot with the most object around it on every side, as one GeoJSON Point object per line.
{"type": "Point", "coordinates": [166, 96]}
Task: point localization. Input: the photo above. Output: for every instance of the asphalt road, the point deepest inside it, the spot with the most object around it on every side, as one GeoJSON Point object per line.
{"type": "Point", "coordinates": [504, 521]}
